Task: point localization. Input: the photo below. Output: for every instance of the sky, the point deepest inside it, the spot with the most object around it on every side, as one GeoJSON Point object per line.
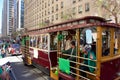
{"type": "Point", "coordinates": [1, 5]}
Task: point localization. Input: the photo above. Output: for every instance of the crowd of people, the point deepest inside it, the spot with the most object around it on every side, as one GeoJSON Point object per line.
{"type": "Point", "coordinates": [6, 47]}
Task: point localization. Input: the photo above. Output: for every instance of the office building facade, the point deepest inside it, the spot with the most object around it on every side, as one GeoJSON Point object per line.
{"type": "Point", "coordinates": [4, 19]}
{"type": "Point", "coordinates": [20, 14]}
{"type": "Point", "coordinates": [39, 13]}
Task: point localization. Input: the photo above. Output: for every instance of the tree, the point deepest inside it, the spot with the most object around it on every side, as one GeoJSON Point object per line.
{"type": "Point", "coordinates": [111, 8]}
{"type": "Point", "coordinates": [68, 15]}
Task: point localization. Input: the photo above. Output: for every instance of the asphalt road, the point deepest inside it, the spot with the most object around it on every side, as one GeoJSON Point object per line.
{"type": "Point", "coordinates": [22, 72]}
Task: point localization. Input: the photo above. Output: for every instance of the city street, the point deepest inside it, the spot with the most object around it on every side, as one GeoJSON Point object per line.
{"type": "Point", "coordinates": [22, 72]}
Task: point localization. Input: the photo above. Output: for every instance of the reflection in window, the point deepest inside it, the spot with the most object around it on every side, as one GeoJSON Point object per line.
{"type": "Point", "coordinates": [74, 11]}
{"type": "Point", "coordinates": [45, 42]}
{"type": "Point", "coordinates": [80, 9]}
{"type": "Point", "coordinates": [116, 44]}
{"type": "Point", "coordinates": [34, 41]}
{"type": "Point", "coordinates": [105, 42]}
{"type": "Point", "coordinates": [31, 42]}
{"type": "Point", "coordinates": [87, 7]}
{"type": "Point", "coordinates": [53, 42]}
{"type": "Point", "coordinates": [61, 4]}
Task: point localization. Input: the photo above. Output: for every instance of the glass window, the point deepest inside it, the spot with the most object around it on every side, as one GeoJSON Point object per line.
{"type": "Point", "coordinates": [45, 42]}
{"type": "Point", "coordinates": [61, 14]}
{"type": "Point", "coordinates": [80, 9]}
{"type": "Point", "coordinates": [56, 7]}
{"type": "Point", "coordinates": [52, 1]}
{"type": "Point", "coordinates": [88, 38]}
{"type": "Point", "coordinates": [40, 42]}
{"type": "Point", "coordinates": [48, 11]}
{"type": "Point", "coordinates": [105, 42]}
{"type": "Point", "coordinates": [45, 5]}
{"type": "Point", "coordinates": [34, 42]}
{"type": "Point", "coordinates": [74, 1]}
{"type": "Point", "coordinates": [52, 9]}
{"type": "Point", "coordinates": [52, 17]}
{"type": "Point", "coordinates": [56, 16]}
{"type": "Point", "coordinates": [116, 41]}
{"type": "Point", "coordinates": [53, 41]}
{"type": "Point", "coordinates": [61, 4]}
{"type": "Point", "coordinates": [74, 11]}
{"type": "Point", "coordinates": [87, 7]}
{"type": "Point", "coordinates": [31, 41]}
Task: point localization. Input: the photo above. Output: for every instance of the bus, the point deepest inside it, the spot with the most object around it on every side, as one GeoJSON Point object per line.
{"type": "Point", "coordinates": [93, 54]}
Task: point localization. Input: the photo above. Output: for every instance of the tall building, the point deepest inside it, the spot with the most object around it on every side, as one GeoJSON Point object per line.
{"type": "Point", "coordinates": [4, 18]}
{"type": "Point", "coordinates": [20, 14]}
{"type": "Point", "coordinates": [39, 13]}
{"type": "Point", "coordinates": [12, 16]}
{"type": "Point", "coordinates": [7, 17]}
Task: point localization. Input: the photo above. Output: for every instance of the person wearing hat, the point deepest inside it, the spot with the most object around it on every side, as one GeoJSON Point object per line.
{"type": "Point", "coordinates": [89, 52]}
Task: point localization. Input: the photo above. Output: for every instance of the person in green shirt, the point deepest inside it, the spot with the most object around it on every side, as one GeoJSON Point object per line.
{"type": "Point", "coordinates": [72, 53]}
{"type": "Point", "coordinates": [90, 54]}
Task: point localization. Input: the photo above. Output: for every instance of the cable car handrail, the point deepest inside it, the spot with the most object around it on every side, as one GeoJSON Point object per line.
{"type": "Point", "coordinates": [83, 64]}
{"type": "Point", "coordinates": [84, 71]}
{"type": "Point", "coordinates": [78, 57]}
{"type": "Point", "coordinates": [79, 76]}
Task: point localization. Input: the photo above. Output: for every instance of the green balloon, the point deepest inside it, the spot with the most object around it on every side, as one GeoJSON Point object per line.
{"type": "Point", "coordinates": [56, 72]}
{"type": "Point", "coordinates": [67, 71]}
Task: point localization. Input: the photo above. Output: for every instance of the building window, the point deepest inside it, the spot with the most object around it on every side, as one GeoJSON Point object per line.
{"type": "Point", "coordinates": [56, 7]}
{"type": "Point", "coordinates": [52, 9]}
{"type": "Point", "coordinates": [45, 13]}
{"type": "Point", "coordinates": [48, 11]}
{"type": "Point", "coordinates": [45, 5]}
{"type": "Point", "coordinates": [42, 1]}
{"type": "Point", "coordinates": [52, 1]}
{"type": "Point", "coordinates": [56, 16]}
{"type": "Point", "coordinates": [52, 17]}
{"type": "Point", "coordinates": [74, 11]}
{"type": "Point", "coordinates": [87, 7]}
{"type": "Point", "coordinates": [74, 1]}
{"type": "Point", "coordinates": [80, 9]}
{"type": "Point", "coordinates": [42, 14]}
{"type": "Point", "coordinates": [61, 14]}
{"type": "Point", "coordinates": [61, 4]}
{"type": "Point", "coordinates": [49, 3]}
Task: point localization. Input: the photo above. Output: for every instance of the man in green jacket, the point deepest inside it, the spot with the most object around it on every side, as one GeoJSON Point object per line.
{"type": "Point", "coordinates": [72, 53]}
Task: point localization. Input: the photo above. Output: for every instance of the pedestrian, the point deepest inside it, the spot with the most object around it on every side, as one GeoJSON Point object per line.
{"type": "Point", "coordinates": [3, 54]}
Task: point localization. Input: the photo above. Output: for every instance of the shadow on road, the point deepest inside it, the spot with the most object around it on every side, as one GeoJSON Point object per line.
{"type": "Point", "coordinates": [27, 73]}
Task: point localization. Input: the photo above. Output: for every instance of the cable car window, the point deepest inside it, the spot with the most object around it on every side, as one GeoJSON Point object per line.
{"type": "Point", "coordinates": [40, 42]}
{"type": "Point", "coordinates": [31, 41]}
{"type": "Point", "coordinates": [105, 42]}
{"type": "Point", "coordinates": [116, 42]}
{"type": "Point", "coordinates": [88, 38]}
{"type": "Point", "coordinates": [34, 41]}
{"type": "Point", "coordinates": [53, 41]}
{"type": "Point", "coordinates": [38, 38]}
{"type": "Point", "coordinates": [45, 42]}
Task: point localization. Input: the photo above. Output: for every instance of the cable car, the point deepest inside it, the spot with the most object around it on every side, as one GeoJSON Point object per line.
{"type": "Point", "coordinates": [86, 48]}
